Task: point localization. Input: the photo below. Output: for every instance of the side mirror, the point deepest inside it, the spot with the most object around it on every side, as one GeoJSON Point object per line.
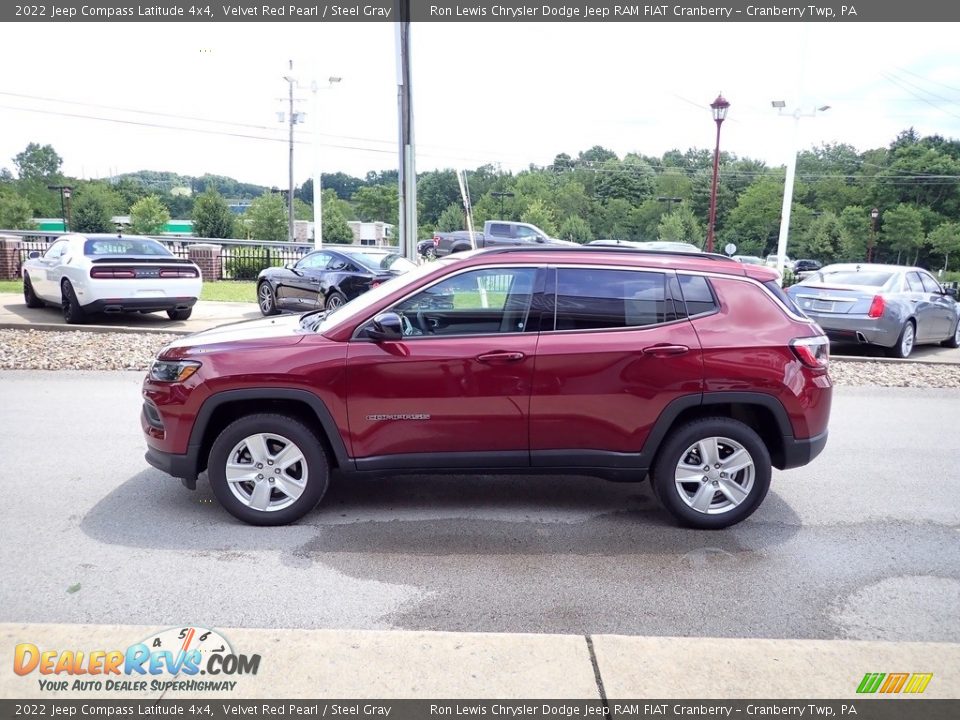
{"type": "Point", "coordinates": [386, 326]}
{"type": "Point", "coordinates": [541, 239]}
{"type": "Point", "coordinates": [34, 255]}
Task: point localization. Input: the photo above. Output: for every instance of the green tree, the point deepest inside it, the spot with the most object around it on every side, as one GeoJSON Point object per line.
{"type": "Point", "coordinates": [377, 202]}
{"type": "Point", "coordinates": [335, 227]}
{"type": "Point", "coordinates": [537, 213]}
{"type": "Point", "coordinates": [945, 240]}
{"type": "Point", "coordinates": [902, 230]}
{"type": "Point", "coordinates": [755, 221]}
{"type": "Point", "coordinates": [148, 216]}
{"type": "Point", "coordinates": [38, 162]}
{"type": "Point", "coordinates": [267, 217]}
{"type": "Point", "coordinates": [451, 219]}
{"type": "Point", "coordinates": [15, 212]}
{"type": "Point", "coordinates": [301, 210]}
{"type": "Point", "coordinates": [855, 231]}
{"type": "Point", "coordinates": [212, 217]}
{"type": "Point", "coordinates": [681, 226]}
{"type": "Point", "coordinates": [95, 206]}
{"type": "Point", "coordinates": [436, 191]}
{"type": "Point", "coordinates": [822, 239]}
{"type": "Point", "coordinates": [576, 229]}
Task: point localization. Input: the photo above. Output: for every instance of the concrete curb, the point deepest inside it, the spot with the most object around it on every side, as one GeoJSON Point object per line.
{"type": "Point", "coordinates": [52, 327]}
{"type": "Point", "coordinates": [394, 664]}
{"type": "Point", "coordinates": [894, 361]}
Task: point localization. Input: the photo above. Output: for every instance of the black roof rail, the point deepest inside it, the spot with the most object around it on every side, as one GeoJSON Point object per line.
{"type": "Point", "coordinates": [605, 248]}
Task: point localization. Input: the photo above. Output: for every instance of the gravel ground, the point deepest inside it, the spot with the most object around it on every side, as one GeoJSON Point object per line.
{"type": "Point", "coordinates": [77, 350]}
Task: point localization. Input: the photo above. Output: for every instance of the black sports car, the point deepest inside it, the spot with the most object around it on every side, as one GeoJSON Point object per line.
{"type": "Point", "coordinates": [326, 279]}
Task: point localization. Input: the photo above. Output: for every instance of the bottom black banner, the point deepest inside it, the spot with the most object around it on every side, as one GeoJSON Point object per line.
{"type": "Point", "coordinates": [873, 709]}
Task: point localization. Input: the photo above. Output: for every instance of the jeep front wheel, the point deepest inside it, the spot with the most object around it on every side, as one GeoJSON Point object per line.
{"type": "Point", "coordinates": [268, 469]}
{"type": "Point", "coordinates": [712, 473]}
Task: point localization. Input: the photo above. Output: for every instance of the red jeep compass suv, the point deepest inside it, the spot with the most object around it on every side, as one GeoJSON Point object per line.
{"type": "Point", "coordinates": [693, 369]}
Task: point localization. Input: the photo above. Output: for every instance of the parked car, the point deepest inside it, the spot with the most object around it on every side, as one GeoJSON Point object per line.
{"type": "Point", "coordinates": [662, 245]}
{"type": "Point", "coordinates": [427, 249]}
{"type": "Point", "coordinates": [496, 233]}
{"type": "Point", "coordinates": [754, 260]}
{"type": "Point", "coordinates": [804, 268]}
{"type": "Point", "coordinates": [772, 261]}
{"type": "Point", "coordinates": [86, 274]}
{"type": "Point", "coordinates": [692, 369]}
{"type": "Point", "coordinates": [891, 306]}
{"type": "Point", "coordinates": [326, 279]}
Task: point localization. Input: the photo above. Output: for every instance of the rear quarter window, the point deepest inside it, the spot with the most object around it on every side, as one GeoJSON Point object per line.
{"type": "Point", "coordinates": [697, 294]}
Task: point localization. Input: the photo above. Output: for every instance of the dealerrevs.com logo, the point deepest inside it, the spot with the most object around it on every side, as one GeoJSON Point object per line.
{"type": "Point", "coordinates": [185, 659]}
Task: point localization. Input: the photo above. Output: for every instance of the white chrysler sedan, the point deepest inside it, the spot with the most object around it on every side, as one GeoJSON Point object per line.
{"type": "Point", "coordinates": [86, 274]}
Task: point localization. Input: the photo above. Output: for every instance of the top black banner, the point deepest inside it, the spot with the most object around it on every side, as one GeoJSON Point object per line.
{"type": "Point", "coordinates": [476, 11]}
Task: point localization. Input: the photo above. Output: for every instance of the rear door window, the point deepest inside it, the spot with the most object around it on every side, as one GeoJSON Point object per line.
{"type": "Point", "coordinates": [598, 299]}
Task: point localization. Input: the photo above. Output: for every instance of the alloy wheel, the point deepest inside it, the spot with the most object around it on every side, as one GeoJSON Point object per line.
{"type": "Point", "coordinates": [714, 475]}
{"type": "Point", "coordinates": [267, 472]}
{"type": "Point", "coordinates": [265, 296]}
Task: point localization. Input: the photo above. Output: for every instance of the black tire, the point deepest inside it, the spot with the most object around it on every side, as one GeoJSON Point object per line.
{"type": "Point", "coordinates": [897, 351]}
{"type": "Point", "coordinates": [953, 342]}
{"type": "Point", "coordinates": [29, 296]}
{"type": "Point", "coordinates": [430, 253]}
{"type": "Point", "coordinates": [676, 448]}
{"type": "Point", "coordinates": [180, 314]}
{"type": "Point", "coordinates": [267, 299]}
{"type": "Point", "coordinates": [334, 301]}
{"type": "Point", "coordinates": [73, 314]}
{"type": "Point", "coordinates": [316, 468]}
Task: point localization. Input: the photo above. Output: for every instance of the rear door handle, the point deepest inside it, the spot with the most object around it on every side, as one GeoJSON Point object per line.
{"type": "Point", "coordinates": [665, 350]}
{"type": "Point", "coordinates": [500, 357]}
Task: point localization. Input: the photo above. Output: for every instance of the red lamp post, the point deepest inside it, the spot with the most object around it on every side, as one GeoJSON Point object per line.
{"type": "Point", "coordinates": [719, 107]}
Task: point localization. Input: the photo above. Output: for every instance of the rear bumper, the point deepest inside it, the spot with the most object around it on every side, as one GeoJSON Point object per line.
{"type": "Point", "coordinates": [856, 329]}
{"type": "Point", "coordinates": [140, 304]}
{"type": "Point", "coordinates": [800, 451]}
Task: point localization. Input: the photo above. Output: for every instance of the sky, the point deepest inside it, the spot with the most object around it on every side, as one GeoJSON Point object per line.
{"type": "Point", "coordinates": [203, 98]}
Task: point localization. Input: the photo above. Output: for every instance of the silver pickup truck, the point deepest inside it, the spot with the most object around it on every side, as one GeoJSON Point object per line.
{"type": "Point", "coordinates": [496, 233]}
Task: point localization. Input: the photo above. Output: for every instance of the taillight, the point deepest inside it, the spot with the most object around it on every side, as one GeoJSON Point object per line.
{"type": "Point", "coordinates": [374, 283]}
{"type": "Point", "coordinates": [436, 241]}
{"type": "Point", "coordinates": [876, 307]}
{"type": "Point", "coordinates": [178, 273]}
{"type": "Point", "coordinates": [814, 352]}
{"type": "Point", "coordinates": [116, 273]}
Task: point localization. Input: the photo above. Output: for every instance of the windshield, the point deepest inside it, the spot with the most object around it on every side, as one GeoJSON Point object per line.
{"type": "Point", "coordinates": [868, 278]}
{"type": "Point", "coordinates": [124, 246]}
{"type": "Point", "coordinates": [382, 261]}
{"type": "Point", "coordinates": [359, 305]}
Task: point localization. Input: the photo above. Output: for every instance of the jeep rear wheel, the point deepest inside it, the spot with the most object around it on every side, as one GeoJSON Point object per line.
{"type": "Point", "coordinates": [712, 473]}
{"type": "Point", "coordinates": [268, 469]}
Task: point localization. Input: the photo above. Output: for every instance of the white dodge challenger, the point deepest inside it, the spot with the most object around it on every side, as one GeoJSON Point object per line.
{"type": "Point", "coordinates": [84, 274]}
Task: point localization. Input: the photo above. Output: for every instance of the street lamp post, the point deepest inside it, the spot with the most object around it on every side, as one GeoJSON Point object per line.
{"type": "Point", "coordinates": [791, 173]}
{"type": "Point", "coordinates": [874, 214]}
{"type": "Point", "coordinates": [719, 107]}
{"type": "Point", "coordinates": [65, 192]}
{"type": "Point", "coordinates": [502, 195]}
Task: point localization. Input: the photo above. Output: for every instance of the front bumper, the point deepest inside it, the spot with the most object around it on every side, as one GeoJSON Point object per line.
{"type": "Point", "coordinates": [179, 466]}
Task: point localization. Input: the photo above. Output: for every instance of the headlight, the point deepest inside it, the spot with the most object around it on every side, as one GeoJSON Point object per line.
{"type": "Point", "coordinates": [173, 370]}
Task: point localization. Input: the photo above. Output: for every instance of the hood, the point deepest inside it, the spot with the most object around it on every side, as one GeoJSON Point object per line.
{"type": "Point", "coordinates": [280, 330]}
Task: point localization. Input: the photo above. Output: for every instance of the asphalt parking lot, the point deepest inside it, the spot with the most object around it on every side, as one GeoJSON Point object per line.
{"type": "Point", "coordinates": [862, 544]}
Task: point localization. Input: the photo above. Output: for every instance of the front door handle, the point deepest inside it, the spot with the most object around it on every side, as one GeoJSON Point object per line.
{"type": "Point", "coordinates": [665, 350]}
{"type": "Point", "coordinates": [500, 357]}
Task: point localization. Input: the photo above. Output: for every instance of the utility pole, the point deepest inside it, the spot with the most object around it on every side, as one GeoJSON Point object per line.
{"type": "Point", "coordinates": [407, 167]}
{"type": "Point", "coordinates": [292, 119]}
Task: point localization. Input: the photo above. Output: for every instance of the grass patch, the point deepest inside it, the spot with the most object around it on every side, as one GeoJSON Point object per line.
{"type": "Point", "coordinates": [223, 291]}
{"type": "Point", "coordinates": [230, 291]}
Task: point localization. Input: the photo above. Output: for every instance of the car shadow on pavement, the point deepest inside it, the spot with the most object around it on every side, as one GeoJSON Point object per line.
{"type": "Point", "coordinates": [431, 515]}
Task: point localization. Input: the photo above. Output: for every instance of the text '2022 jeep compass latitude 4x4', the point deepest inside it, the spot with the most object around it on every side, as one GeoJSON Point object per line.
{"type": "Point", "coordinates": [694, 369]}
